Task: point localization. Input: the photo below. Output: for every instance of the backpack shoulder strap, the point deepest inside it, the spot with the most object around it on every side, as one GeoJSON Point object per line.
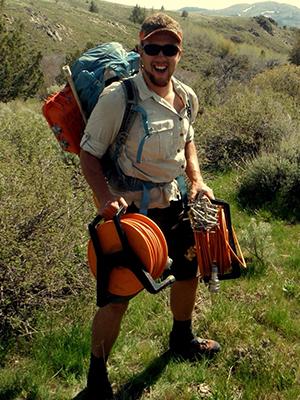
{"type": "Point", "coordinates": [131, 99]}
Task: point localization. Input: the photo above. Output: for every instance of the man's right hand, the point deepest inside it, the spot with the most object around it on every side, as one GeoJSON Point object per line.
{"type": "Point", "coordinates": [111, 207]}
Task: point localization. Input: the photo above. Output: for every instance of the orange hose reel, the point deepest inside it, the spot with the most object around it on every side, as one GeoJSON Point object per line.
{"type": "Point", "coordinates": [132, 248]}
{"type": "Point", "coordinates": [219, 246]}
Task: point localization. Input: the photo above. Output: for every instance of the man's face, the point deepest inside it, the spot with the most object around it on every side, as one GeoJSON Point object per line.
{"type": "Point", "coordinates": [159, 68]}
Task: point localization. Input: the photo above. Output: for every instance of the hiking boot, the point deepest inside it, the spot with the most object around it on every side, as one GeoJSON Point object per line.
{"type": "Point", "coordinates": [98, 385]}
{"type": "Point", "coordinates": [194, 348]}
{"type": "Point", "coordinates": [103, 393]}
{"type": "Point", "coordinates": [87, 394]}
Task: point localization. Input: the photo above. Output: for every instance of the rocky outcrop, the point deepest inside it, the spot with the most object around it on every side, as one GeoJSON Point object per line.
{"type": "Point", "coordinates": [55, 31]}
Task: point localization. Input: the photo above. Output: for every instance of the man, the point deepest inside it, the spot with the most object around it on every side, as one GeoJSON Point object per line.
{"type": "Point", "coordinates": [162, 154]}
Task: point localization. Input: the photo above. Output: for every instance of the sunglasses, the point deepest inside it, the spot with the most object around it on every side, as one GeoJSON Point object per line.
{"type": "Point", "coordinates": [168, 50]}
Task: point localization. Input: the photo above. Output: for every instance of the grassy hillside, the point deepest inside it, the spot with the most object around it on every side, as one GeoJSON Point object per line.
{"type": "Point", "coordinates": [63, 26]}
{"type": "Point", "coordinates": [60, 27]}
{"type": "Point", "coordinates": [247, 133]}
{"type": "Point", "coordinates": [49, 296]}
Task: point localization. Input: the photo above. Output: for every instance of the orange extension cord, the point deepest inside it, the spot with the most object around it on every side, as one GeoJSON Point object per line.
{"type": "Point", "coordinates": [212, 246]}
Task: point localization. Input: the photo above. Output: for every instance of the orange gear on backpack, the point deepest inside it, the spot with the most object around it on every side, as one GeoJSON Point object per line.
{"type": "Point", "coordinates": [65, 120]}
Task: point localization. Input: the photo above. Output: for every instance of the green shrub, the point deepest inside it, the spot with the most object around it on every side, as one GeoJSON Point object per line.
{"type": "Point", "coordinates": [294, 56]}
{"type": "Point", "coordinates": [218, 67]}
{"type": "Point", "coordinates": [265, 23]}
{"type": "Point", "coordinates": [256, 241]}
{"type": "Point", "coordinates": [93, 7]}
{"type": "Point", "coordinates": [241, 128]}
{"type": "Point", "coordinates": [232, 67]}
{"type": "Point", "coordinates": [20, 73]}
{"type": "Point", "coordinates": [228, 67]}
{"type": "Point", "coordinates": [206, 90]}
{"type": "Point", "coordinates": [284, 80]}
{"type": "Point", "coordinates": [272, 181]}
{"type": "Point", "coordinates": [137, 15]}
{"type": "Point", "coordinates": [43, 217]}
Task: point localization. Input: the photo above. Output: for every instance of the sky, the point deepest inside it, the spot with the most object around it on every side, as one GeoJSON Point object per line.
{"type": "Point", "coordinates": [209, 4]}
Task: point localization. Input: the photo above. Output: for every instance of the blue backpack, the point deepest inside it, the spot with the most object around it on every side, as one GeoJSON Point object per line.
{"type": "Point", "coordinates": [67, 110]}
{"type": "Point", "coordinates": [98, 68]}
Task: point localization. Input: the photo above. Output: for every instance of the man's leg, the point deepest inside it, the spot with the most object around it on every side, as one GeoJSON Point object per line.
{"type": "Point", "coordinates": [105, 330]}
{"type": "Point", "coordinates": [182, 340]}
{"type": "Point", "coordinates": [183, 297]}
{"type": "Point", "coordinates": [182, 302]}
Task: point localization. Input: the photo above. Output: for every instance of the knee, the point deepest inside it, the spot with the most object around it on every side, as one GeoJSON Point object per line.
{"type": "Point", "coordinates": [117, 308]}
{"type": "Point", "coordinates": [190, 282]}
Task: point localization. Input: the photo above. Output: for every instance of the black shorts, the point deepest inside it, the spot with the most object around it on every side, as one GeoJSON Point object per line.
{"type": "Point", "coordinates": [179, 235]}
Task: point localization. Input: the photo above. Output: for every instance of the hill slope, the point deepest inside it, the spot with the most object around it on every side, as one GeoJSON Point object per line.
{"type": "Point", "coordinates": [58, 28]}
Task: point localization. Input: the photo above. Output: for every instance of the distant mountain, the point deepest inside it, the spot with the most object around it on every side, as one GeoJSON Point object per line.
{"type": "Point", "coordinates": [283, 14]}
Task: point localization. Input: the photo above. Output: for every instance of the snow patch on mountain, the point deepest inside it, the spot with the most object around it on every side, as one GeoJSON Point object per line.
{"type": "Point", "coordinates": [247, 9]}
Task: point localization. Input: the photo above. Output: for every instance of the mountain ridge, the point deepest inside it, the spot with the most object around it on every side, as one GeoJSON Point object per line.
{"type": "Point", "coordinates": [283, 14]}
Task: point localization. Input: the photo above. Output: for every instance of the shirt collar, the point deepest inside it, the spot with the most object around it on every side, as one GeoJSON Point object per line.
{"type": "Point", "coordinates": [145, 92]}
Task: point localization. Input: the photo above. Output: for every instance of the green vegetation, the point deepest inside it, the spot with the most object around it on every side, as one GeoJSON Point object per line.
{"type": "Point", "coordinates": [137, 15]}
{"type": "Point", "coordinates": [41, 223]}
{"type": "Point", "coordinates": [255, 317]}
{"type": "Point", "coordinates": [93, 7]}
{"type": "Point", "coordinates": [184, 14]}
{"type": "Point", "coordinates": [259, 122]}
{"type": "Point", "coordinates": [247, 135]}
{"type": "Point", "coordinates": [56, 35]}
{"type": "Point", "coordinates": [295, 52]}
{"type": "Point", "coordinates": [20, 72]}
{"type": "Point", "coordinates": [272, 181]}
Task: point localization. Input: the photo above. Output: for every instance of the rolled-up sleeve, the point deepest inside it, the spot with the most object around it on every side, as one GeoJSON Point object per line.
{"type": "Point", "coordinates": [105, 121]}
{"type": "Point", "coordinates": [195, 107]}
{"type": "Point", "coordinates": [190, 135]}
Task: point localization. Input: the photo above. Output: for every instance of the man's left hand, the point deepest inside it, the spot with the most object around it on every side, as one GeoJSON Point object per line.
{"type": "Point", "coordinates": [200, 189]}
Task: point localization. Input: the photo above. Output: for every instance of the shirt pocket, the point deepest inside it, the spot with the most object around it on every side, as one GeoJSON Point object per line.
{"type": "Point", "coordinates": [162, 141]}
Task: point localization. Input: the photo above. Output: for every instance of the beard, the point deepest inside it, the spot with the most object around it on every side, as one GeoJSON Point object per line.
{"type": "Point", "coordinates": [161, 82]}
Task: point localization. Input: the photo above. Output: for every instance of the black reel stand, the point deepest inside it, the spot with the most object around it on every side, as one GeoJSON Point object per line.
{"type": "Point", "coordinates": [126, 258]}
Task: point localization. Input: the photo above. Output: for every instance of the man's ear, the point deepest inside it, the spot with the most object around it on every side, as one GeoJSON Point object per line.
{"type": "Point", "coordinates": [139, 48]}
{"type": "Point", "coordinates": [180, 53]}
{"type": "Point", "coordinates": [136, 48]}
{"type": "Point", "coordinates": [140, 51]}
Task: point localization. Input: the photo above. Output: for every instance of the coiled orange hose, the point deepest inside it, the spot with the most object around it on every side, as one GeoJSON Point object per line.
{"type": "Point", "coordinates": [213, 247]}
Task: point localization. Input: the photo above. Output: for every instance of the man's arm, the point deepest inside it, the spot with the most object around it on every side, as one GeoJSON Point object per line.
{"type": "Point", "coordinates": [194, 174]}
{"type": "Point", "coordinates": [93, 173]}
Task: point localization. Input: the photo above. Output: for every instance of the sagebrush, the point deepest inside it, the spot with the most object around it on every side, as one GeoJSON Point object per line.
{"type": "Point", "coordinates": [272, 181]}
{"type": "Point", "coordinates": [45, 210]}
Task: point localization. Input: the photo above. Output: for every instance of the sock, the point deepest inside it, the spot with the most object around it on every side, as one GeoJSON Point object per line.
{"type": "Point", "coordinates": [97, 380]}
{"type": "Point", "coordinates": [182, 331]}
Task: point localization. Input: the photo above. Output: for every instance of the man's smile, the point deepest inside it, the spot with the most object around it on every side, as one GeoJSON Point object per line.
{"type": "Point", "coordinates": [160, 68]}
